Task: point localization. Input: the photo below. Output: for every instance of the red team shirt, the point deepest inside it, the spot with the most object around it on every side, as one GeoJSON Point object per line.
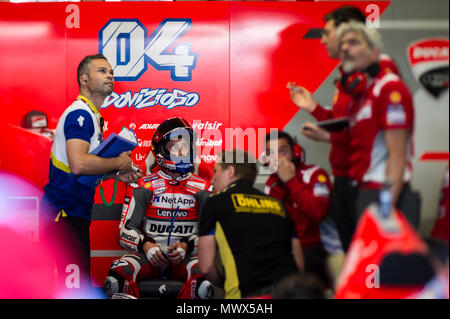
{"type": "Point", "coordinates": [340, 148]}
{"type": "Point", "coordinates": [339, 140]}
{"type": "Point", "coordinates": [306, 198]}
{"type": "Point", "coordinates": [385, 105]}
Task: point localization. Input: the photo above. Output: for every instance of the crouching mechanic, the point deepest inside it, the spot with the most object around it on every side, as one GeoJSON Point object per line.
{"type": "Point", "coordinates": [251, 233]}
{"type": "Point", "coordinates": [160, 217]}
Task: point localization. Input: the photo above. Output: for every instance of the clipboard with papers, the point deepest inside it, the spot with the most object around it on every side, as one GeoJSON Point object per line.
{"type": "Point", "coordinates": [112, 146]}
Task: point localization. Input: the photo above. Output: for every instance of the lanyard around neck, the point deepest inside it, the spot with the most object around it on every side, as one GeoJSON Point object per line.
{"type": "Point", "coordinates": [88, 102]}
{"type": "Point", "coordinates": [93, 108]}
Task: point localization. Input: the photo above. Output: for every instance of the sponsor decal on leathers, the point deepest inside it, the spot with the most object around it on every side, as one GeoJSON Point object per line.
{"type": "Point", "coordinates": [182, 201]}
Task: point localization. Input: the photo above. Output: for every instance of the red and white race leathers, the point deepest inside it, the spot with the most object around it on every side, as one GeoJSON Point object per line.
{"type": "Point", "coordinates": [161, 206]}
{"type": "Point", "coordinates": [162, 210]}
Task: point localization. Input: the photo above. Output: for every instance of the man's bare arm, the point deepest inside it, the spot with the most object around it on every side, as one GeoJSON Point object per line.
{"type": "Point", "coordinates": [83, 163]}
{"type": "Point", "coordinates": [207, 261]}
{"type": "Point", "coordinates": [396, 141]}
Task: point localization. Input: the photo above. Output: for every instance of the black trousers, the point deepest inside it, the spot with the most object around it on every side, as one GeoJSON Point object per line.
{"type": "Point", "coordinates": [70, 239]}
{"type": "Point", "coordinates": [348, 203]}
{"type": "Point", "coordinates": [342, 211]}
{"type": "Point", "coordinates": [408, 203]}
{"type": "Point", "coordinates": [316, 263]}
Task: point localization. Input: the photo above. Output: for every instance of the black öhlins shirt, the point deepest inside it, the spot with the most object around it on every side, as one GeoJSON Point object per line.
{"type": "Point", "coordinates": [254, 237]}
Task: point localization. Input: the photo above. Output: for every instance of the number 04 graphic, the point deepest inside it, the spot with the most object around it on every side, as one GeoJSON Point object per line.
{"type": "Point", "coordinates": [125, 44]}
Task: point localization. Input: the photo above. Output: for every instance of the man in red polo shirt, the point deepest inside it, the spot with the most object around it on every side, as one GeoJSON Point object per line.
{"type": "Point", "coordinates": [381, 118]}
{"type": "Point", "coordinates": [341, 200]}
{"type": "Point", "coordinates": [305, 191]}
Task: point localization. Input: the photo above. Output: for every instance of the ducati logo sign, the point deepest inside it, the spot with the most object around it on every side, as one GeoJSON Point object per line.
{"type": "Point", "coordinates": [429, 63]}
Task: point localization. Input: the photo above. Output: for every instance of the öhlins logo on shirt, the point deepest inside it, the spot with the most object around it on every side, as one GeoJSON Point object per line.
{"type": "Point", "coordinates": [245, 203]}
